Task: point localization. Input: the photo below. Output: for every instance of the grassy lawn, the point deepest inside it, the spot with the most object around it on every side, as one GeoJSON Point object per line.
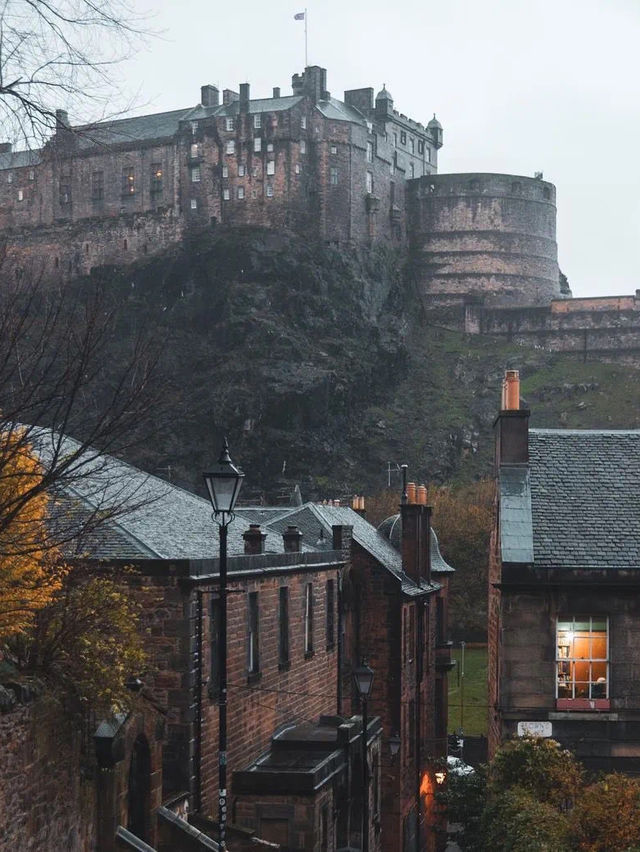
{"type": "Point", "coordinates": [475, 692]}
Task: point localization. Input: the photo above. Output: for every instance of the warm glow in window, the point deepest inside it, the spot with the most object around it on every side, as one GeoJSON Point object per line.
{"type": "Point", "coordinates": [582, 654]}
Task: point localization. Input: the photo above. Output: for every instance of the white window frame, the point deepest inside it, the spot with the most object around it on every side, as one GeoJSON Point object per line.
{"type": "Point", "coordinates": [230, 147]}
{"type": "Point", "coordinates": [334, 149]}
{"type": "Point", "coordinates": [226, 195]}
{"type": "Point", "coordinates": [567, 659]}
{"type": "Point", "coordinates": [194, 204]}
{"type": "Point", "coordinates": [193, 150]}
{"type": "Point", "coordinates": [369, 152]}
{"type": "Point", "coordinates": [240, 193]}
{"type": "Point", "coordinates": [369, 183]}
{"type": "Point", "coordinates": [228, 123]}
{"type": "Point", "coordinates": [21, 195]}
{"type": "Point", "coordinates": [303, 122]}
{"type": "Point", "coordinates": [303, 146]}
{"type": "Point", "coordinates": [257, 143]}
{"type": "Point", "coordinates": [269, 190]}
{"type": "Point", "coordinates": [225, 171]}
{"type": "Point", "coordinates": [333, 176]}
{"type": "Point", "coordinates": [269, 147]}
{"type": "Point", "coordinates": [271, 167]}
{"type": "Point", "coordinates": [297, 168]}
{"type": "Point", "coordinates": [241, 170]}
{"type": "Point", "coordinates": [196, 175]}
{"type": "Point", "coordinates": [257, 121]}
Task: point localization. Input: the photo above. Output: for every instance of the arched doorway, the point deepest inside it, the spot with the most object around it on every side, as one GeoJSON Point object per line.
{"type": "Point", "coordinates": [140, 788]}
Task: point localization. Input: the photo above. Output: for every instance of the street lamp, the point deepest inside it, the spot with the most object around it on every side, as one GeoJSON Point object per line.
{"type": "Point", "coordinates": [223, 483]}
{"type": "Point", "coordinates": [394, 744]}
{"type": "Point", "coordinates": [363, 677]}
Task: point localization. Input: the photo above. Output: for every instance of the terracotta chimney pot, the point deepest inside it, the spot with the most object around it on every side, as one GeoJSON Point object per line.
{"type": "Point", "coordinates": [411, 492]}
{"type": "Point", "coordinates": [512, 381]}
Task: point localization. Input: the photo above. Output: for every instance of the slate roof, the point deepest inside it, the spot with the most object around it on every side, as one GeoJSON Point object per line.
{"type": "Point", "coordinates": [339, 111]}
{"type": "Point", "coordinates": [391, 528]}
{"type": "Point", "coordinates": [18, 159]}
{"type": "Point", "coordinates": [516, 533]}
{"type": "Point", "coordinates": [233, 108]}
{"type": "Point", "coordinates": [585, 498]}
{"type": "Point", "coordinates": [141, 128]}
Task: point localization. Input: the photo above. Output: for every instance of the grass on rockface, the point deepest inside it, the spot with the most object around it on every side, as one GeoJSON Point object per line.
{"type": "Point", "coordinates": [472, 718]}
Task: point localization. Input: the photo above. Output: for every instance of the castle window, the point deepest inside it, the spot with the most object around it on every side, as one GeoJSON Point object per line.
{"type": "Point", "coordinates": [412, 169]}
{"type": "Point", "coordinates": [334, 149]}
{"type": "Point", "coordinates": [241, 170]}
{"type": "Point", "coordinates": [269, 190]}
{"type": "Point", "coordinates": [257, 121]}
{"type": "Point", "coordinates": [64, 190]}
{"type": "Point", "coordinates": [333, 176]}
{"type": "Point", "coordinates": [9, 178]}
{"type": "Point", "coordinates": [225, 194]}
{"type": "Point", "coordinates": [516, 187]}
{"type": "Point", "coordinates": [582, 657]}
{"type": "Point", "coordinates": [412, 143]}
{"type": "Point", "coordinates": [297, 168]}
{"type": "Point", "coordinates": [231, 147]}
{"type": "Point", "coordinates": [392, 165]}
{"type": "Point", "coordinates": [195, 174]}
{"type": "Point", "coordinates": [308, 620]}
{"type": "Point", "coordinates": [369, 152]}
{"type": "Point", "coordinates": [228, 123]}
{"type": "Point", "coordinates": [303, 146]}
{"type": "Point", "coordinates": [32, 175]}
{"type": "Point", "coordinates": [193, 151]}
{"type": "Point", "coordinates": [194, 204]}
{"type": "Point", "coordinates": [403, 137]}
{"type": "Point", "coordinates": [395, 140]}
{"type": "Point", "coordinates": [255, 171]}
{"type": "Point", "coordinates": [369, 179]}
{"type": "Point", "coordinates": [257, 144]}
{"type": "Point", "coordinates": [20, 195]}
{"type": "Point", "coordinates": [271, 167]}
{"type": "Point", "coordinates": [420, 146]}
{"type": "Point", "coordinates": [156, 178]}
{"type": "Point", "coordinates": [427, 153]}
{"type": "Point", "coordinates": [240, 193]}
{"type": "Point", "coordinates": [225, 171]}
{"type": "Point", "coordinates": [270, 148]}
{"type": "Point", "coordinates": [253, 644]}
{"type": "Point", "coordinates": [194, 127]}
{"type": "Point", "coordinates": [546, 192]}
{"type": "Point", "coordinates": [303, 122]}
{"type": "Point", "coordinates": [128, 181]}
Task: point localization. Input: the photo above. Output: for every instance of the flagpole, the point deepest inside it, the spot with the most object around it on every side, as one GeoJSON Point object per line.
{"type": "Point", "coordinates": [306, 51]}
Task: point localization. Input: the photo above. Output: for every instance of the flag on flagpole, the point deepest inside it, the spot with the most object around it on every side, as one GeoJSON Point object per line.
{"type": "Point", "coordinates": [299, 16]}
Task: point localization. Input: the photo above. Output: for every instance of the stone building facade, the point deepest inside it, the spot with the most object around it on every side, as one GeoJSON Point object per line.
{"type": "Point", "coordinates": [563, 590]}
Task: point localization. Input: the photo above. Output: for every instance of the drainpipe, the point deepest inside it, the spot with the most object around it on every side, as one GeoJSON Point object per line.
{"type": "Point", "coordinates": [198, 702]}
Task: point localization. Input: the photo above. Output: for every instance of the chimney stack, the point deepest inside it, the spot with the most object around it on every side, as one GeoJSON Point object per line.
{"type": "Point", "coordinates": [292, 538]}
{"type": "Point", "coordinates": [5, 147]}
{"type": "Point", "coordinates": [62, 120]}
{"type": "Point", "coordinates": [254, 540]}
{"type": "Point", "coordinates": [276, 91]}
{"type": "Point", "coordinates": [511, 427]}
{"type": "Point", "coordinates": [229, 96]}
{"type": "Point", "coordinates": [244, 97]}
{"type": "Point", "coordinates": [416, 533]}
{"type": "Point", "coordinates": [209, 96]}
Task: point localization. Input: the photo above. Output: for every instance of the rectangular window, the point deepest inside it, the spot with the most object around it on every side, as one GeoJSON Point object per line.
{"type": "Point", "coordinates": [395, 140]}
{"type": "Point", "coordinates": [582, 657]}
{"type": "Point", "coordinates": [64, 189]}
{"type": "Point", "coordinates": [257, 143]}
{"type": "Point", "coordinates": [257, 121]}
{"type": "Point", "coordinates": [20, 195]}
{"type": "Point", "coordinates": [303, 146]}
{"type": "Point", "coordinates": [228, 123]}
{"type": "Point", "coordinates": [403, 137]}
{"type": "Point", "coordinates": [32, 175]}
{"type": "Point", "coordinates": [240, 192]}
{"type": "Point", "coordinates": [283, 623]}
{"type": "Point", "coordinates": [241, 170]}
{"type": "Point", "coordinates": [230, 147]}
{"type": "Point", "coordinates": [214, 649]}
{"type": "Point", "coordinates": [308, 619]}
{"type": "Point", "coordinates": [193, 151]}
{"type": "Point", "coordinates": [195, 174]}
{"type": "Point", "coordinates": [412, 143]}
{"type": "Point", "coordinates": [369, 182]}
{"type": "Point", "coordinates": [392, 192]}
{"type": "Point", "coordinates": [303, 122]}
{"type": "Point", "coordinates": [156, 177]}
{"type": "Point", "coordinates": [331, 607]}
{"type": "Point", "coordinates": [225, 171]}
{"type": "Point", "coordinates": [269, 190]}
{"type": "Point", "coordinates": [10, 178]}
{"type": "Point", "coordinates": [269, 147]}
{"type": "Point", "coordinates": [255, 171]}
{"type": "Point", "coordinates": [225, 194]}
{"type": "Point", "coordinates": [334, 149]}
{"type": "Point", "coordinates": [412, 169]}
{"type": "Point", "coordinates": [427, 154]}
{"type": "Point", "coordinates": [297, 168]}
{"type": "Point", "coordinates": [420, 146]}
{"type": "Point", "coordinates": [194, 204]}
{"type": "Point", "coordinates": [97, 186]}
{"type": "Point", "coordinates": [369, 152]}
{"type": "Point", "coordinates": [271, 167]}
{"type": "Point", "coordinates": [333, 176]}
{"type": "Point", "coordinates": [128, 181]}
{"type": "Point", "coordinates": [253, 645]}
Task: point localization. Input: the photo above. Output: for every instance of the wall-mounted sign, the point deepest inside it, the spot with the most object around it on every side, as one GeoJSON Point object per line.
{"type": "Point", "coordinates": [534, 729]}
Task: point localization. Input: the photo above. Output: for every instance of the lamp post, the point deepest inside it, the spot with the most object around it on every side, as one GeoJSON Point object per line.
{"type": "Point", "coordinates": [223, 483]}
{"type": "Point", "coordinates": [363, 677]}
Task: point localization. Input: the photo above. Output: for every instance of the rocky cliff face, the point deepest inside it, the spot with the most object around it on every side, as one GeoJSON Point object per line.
{"type": "Point", "coordinates": [320, 367]}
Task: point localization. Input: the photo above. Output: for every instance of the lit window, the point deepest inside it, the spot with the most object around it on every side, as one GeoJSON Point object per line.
{"type": "Point", "coordinates": [334, 149]}
{"type": "Point", "coordinates": [228, 123]}
{"type": "Point", "coordinates": [333, 176]}
{"type": "Point", "coordinates": [269, 190]}
{"type": "Point", "coordinates": [193, 151]}
{"type": "Point", "coordinates": [271, 167]}
{"type": "Point", "coordinates": [257, 143]}
{"type": "Point", "coordinates": [241, 192]}
{"type": "Point", "coordinates": [225, 194]}
{"type": "Point", "coordinates": [303, 146]}
{"type": "Point", "coordinates": [369, 182]}
{"type": "Point", "coordinates": [20, 195]}
{"type": "Point", "coordinates": [253, 645]}
{"type": "Point", "coordinates": [303, 122]}
{"type": "Point", "coordinates": [156, 177]}
{"type": "Point", "coordinates": [231, 147]}
{"type": "Point", "coordinates": [195, 174]}
{"type": "Point", "coordinates": [257, 121]}
{"type": "Point", "coordinates": [308, 619]}
{"type": "Point", "coordinates": [194, 203]}
{"type": "Point", "coordinates": [369, 152]}
{"type": "Point", "coordinates": [297, 168]}
{"type": "Point", "coordinates": [241, 170]}
{"type": "Point", "coordinates": [270, 147]}
{"type": "Point", "coordinates": [225, 171]}
{"type": "Point", "coordinates": [582, 657]}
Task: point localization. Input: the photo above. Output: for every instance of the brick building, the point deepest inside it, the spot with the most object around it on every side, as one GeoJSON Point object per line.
{"type": "Point", "coordinates": [330, 169]}
{"type": "Point", "coordinates": [394, 604]}
{"type": "Point", "coordinates": [564, 610]}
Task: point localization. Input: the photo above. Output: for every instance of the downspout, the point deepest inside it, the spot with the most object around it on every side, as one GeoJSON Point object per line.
{"type": "Point", "coordinates": [198, 696]}
{"type": "Point", "coordinates": [417, 746]}
{"type": "Point", "coordinates": [340, 647]}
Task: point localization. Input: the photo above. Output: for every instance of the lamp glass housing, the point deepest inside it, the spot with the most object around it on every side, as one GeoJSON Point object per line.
{"type": "Point", "coordinates": [394, 744]}
{"type": "Point", "coordinates": [223, 483]}
{"type": "Point", "coordinates": [363, 677]}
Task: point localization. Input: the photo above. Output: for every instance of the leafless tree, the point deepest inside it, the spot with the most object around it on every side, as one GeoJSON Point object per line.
{"type": "Point", "coordinates": [60, 54]}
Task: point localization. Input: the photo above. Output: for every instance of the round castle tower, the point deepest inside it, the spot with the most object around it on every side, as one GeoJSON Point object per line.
{"type": "Point", "coordinates": [488, 237]}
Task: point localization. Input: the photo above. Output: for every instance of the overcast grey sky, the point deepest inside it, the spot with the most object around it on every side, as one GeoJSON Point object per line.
{"type": "Point", "coordinates": [519, 86]}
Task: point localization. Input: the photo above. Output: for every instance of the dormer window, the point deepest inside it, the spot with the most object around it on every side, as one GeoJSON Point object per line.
{"type": "Point", "coordinates": [228, 123]}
